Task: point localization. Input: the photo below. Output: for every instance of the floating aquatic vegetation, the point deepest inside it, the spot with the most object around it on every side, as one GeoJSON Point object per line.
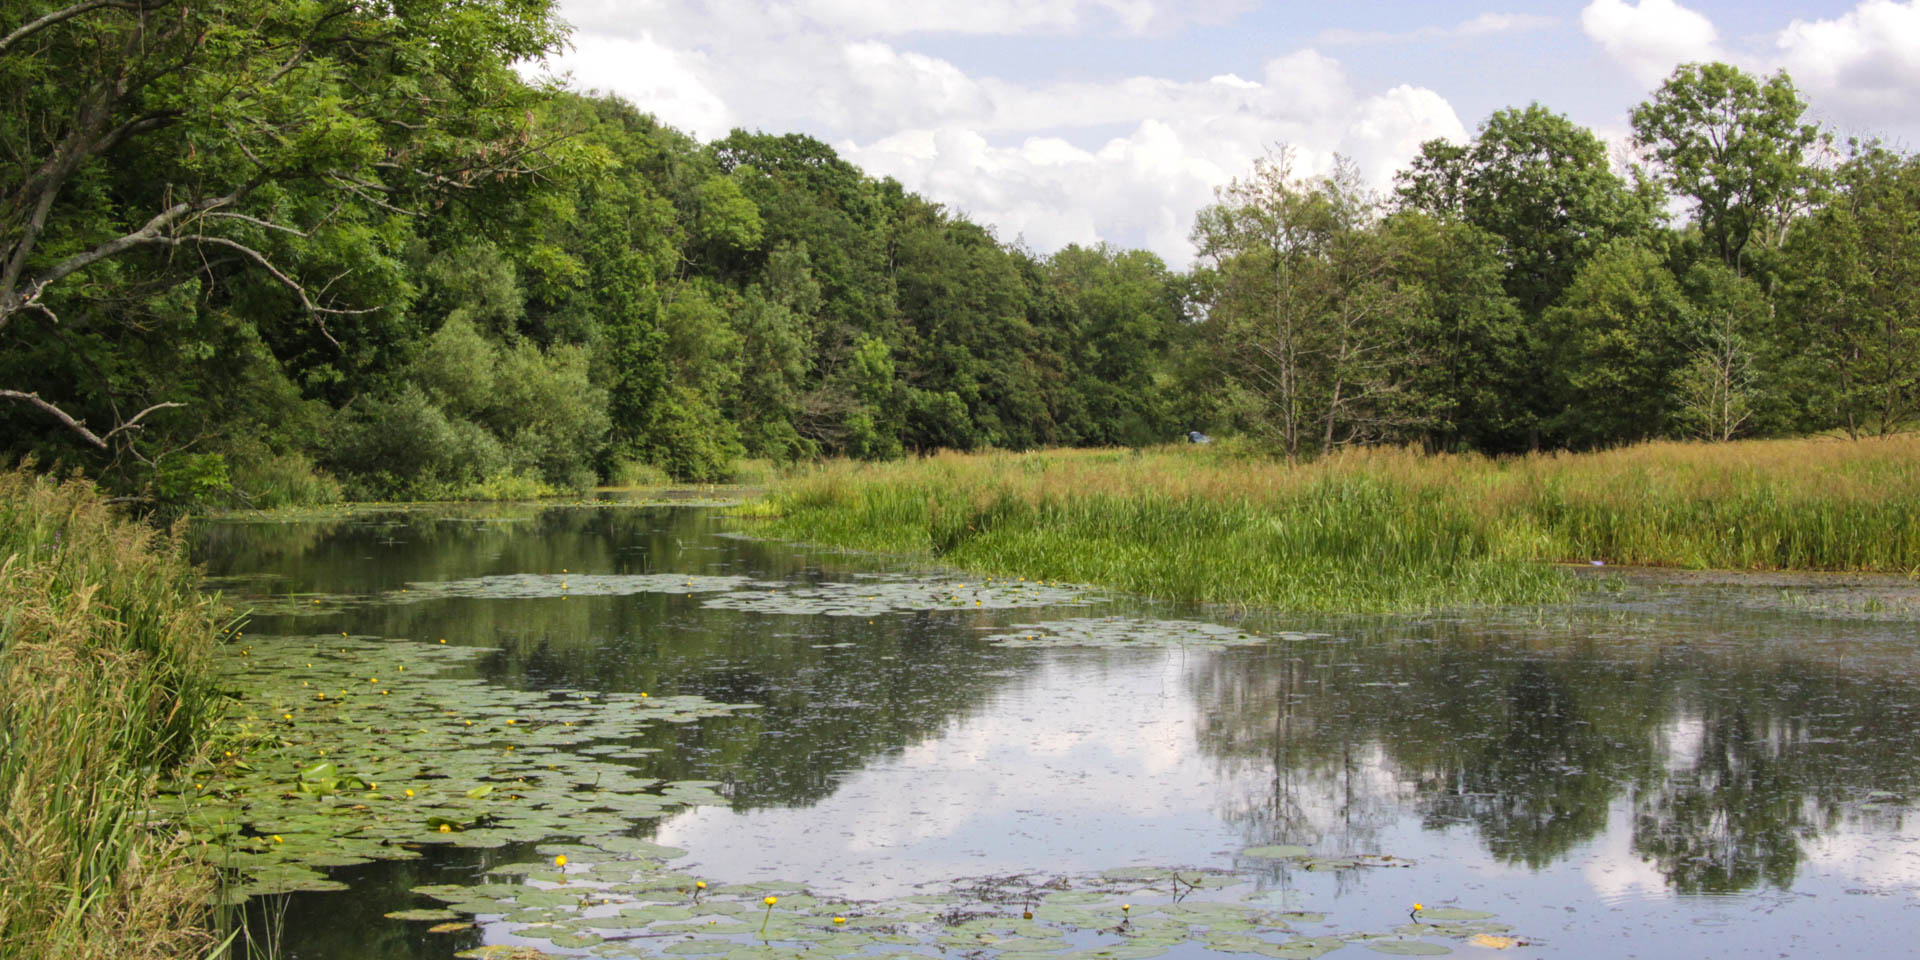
{"type": "Point", "coordinates": [1132, 632]}
{"type": "Point", "coordinates": [347, 750]}
{"type": "Point", "coordinates": [623, 910]}
{"type": "Point", "coordinates": [516, 586]}
{"type": "Point", "coordinates": [875, 595]}
{"type": "Point", "coordinates": [539, 585]}
{"type": "Point", "coordinates": [866, 596]}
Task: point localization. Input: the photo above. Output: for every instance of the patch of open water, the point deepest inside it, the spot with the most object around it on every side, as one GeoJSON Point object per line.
{"type": "Point", "coordinates": [1654, 771]}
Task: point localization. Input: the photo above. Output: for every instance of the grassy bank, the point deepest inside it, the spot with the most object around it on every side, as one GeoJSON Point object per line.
{"type": "Point", "coordinates": [1372, 530]}
{"type": "Point", "coordinates": [104, 644]}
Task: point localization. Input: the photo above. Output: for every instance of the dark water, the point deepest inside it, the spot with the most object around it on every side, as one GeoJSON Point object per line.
{"type": "Point", "coordinates": [1648, 773]}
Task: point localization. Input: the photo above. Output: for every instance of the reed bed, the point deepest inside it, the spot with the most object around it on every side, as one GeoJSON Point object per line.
{"type": "Point", "coordinates": [1372, 530]}
{"type": "Point", "coordinates": [104, 646]}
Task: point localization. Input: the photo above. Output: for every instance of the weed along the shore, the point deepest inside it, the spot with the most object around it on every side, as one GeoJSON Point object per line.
{"type": "Point", "coordinates": [105, 645]}
{"type": "Point", "coordinates": [1370, 530]}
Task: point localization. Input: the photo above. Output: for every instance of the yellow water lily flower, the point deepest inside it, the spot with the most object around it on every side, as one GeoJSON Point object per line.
{"type": "Point", "coordinates": [770, 901]}
{"type": "Point", "coordinates": [276, 839]}
{"type": "Point", "coordinates": [839, 919]}
{"type": "Point", "coordinates": [560, 861]}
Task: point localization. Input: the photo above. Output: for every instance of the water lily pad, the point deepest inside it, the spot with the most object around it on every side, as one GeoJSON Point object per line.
{"type": "Point", "coordinates": [1302, 948]}
{"type": "Point", "coordinates": [423, 914]}
{"type": "Point", "coordinates": [1492, 942]}
{"type": "Point", "coordinates": [1129, 632]}
{"type": "Point", "coordinates": [1078, 897]}
{"type": "Point", "coordinates": [1453, 915]}
{"type": "Point", "coordinates": [876, 596]}
{"type": "Point", "coordinates": [1276, 851]}
{"type": "Point", "coordinates": [1408, 948]}
{"type": "Point", "coordinates": [698, 948]}
{"type": "Point", "coordinates": [502, 951]}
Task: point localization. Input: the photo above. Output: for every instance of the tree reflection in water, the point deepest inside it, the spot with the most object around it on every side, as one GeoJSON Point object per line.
{"type": "Point", "coordinates": [1726, 756]}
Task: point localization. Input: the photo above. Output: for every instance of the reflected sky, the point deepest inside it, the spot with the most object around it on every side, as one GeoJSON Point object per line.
{"type": "Point", "coordinates": [1649, 772]}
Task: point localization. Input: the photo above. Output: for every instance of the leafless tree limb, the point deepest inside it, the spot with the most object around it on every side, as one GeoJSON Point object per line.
{"type": "Point", "coordinates": [79, 427]}
{"type": "Point", "coordinates": [59, 16]}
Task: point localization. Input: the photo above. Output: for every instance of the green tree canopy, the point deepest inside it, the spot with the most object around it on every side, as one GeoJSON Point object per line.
{"type": "Point", "coordinates": [1735, 146]}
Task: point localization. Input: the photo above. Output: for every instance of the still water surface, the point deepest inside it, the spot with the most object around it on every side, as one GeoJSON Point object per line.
{"type": "Point", "coordinates": [1672, 772]}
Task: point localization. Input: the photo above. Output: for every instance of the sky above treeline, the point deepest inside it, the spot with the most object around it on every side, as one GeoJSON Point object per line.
{"type": "Point", "coordinates": [1078, 121]}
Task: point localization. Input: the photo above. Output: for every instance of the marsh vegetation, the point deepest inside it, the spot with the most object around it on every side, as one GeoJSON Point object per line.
{"type": "Point", "coordinates": [1372, 529]}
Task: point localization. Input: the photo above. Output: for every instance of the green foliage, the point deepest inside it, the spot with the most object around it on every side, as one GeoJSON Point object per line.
{"type": "Point", "coordinates": [264, 482]}
{"type": "Point", "coordinates": [455, 283]}
{"type": "Point", "coordinates": [1305, 313]}
{"type": "Point", "coordinates": [1853, 292]}
{"type": "Point", "coordinates": [244, 154]}
{"type": "Point", "coordinates": [406, 445]}
{"type": "Point", "coordinates": [1542, 185]}
{"type": "Point", "coordinates": [1722, 389]}
{"type": "Point", "coordinates": [191, 478]}
{"type": "Point", "coordinates": [1733, 145]}
{"type": "Point", "coordinates": [1624, 328]}
{"type": "Point", "coordinates": [691, 441]}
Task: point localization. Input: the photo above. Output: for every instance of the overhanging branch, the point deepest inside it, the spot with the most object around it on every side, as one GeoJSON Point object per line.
{"type": "Point", "coordinates": [79, 427]}
{"type": "Point", "coordinates": [68, 13]}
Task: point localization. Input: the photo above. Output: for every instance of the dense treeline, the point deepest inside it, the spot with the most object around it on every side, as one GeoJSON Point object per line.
{"type": "Point", "coordinates": [258, 252]}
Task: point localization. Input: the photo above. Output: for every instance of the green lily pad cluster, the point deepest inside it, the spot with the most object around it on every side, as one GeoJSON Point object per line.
{"type": "Point", "coordinates": [615, 905]}
{"type": "Point", "coordinates": [877, 595]}
{"type": "Point", "coordinates": [518, 586]}
{"type": "Point", "coordinates": [1131, 632]}
{"type": "Point", "coordinates": [867, 596]}
{"type": "Point", "coordinates": [345, 750]}
{"type": "Point", "coordinates": [545, 585]}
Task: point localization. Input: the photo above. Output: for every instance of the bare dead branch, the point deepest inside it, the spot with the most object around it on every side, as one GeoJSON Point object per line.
{"type": "Point", "coordinates": [263, 224]}
{"type": "Point", "coordinates": [60, 16]}
{"type": "Point", "coordinates": [12, 302]}
{"type": "Point", "coordinates": [80, 427]}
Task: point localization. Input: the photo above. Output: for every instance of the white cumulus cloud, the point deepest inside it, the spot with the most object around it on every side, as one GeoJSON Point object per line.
{"type": "Point", "coordinates": [1859, 71]}
{"type": "Point", "coordinates": [1484, 25]}
{"type": "Point", "coordinates": [662, 81]}
{"type": "Point", "coordinates": [1126, 159]}
{"type": "Point", "coordinates": [1651, 37]}
{"type": "Point", "coordinates": [869, 18]}
{"type": "Point", "coordinates": [1863, 68]}
{"type": "Point", "coordinates": [1185, 139]}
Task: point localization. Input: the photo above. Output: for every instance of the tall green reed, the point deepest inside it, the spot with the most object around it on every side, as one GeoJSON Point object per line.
{"type": "Point", "coordinates": [1373, 530]}
{"type": "Point", "coordinates": [104, 644]}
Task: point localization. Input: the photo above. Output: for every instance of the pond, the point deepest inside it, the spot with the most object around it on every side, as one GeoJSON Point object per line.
{"type": "Point", "coordinates": [1653, 771]}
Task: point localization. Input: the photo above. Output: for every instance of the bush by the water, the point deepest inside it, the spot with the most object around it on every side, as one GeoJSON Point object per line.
{"type": "Point", "coordinates": [1375, 529]}
{"type": "Point", "coordinates": [104, 646]}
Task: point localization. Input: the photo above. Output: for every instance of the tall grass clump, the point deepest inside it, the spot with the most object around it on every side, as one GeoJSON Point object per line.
{"type": "Point", "coordinates": [104, 658]}
{"type": "Point", "coordinates": [1371, 530]}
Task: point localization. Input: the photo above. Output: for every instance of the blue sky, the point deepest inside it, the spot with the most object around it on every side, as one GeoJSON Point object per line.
{"type": "Point", "coordinates": [1076, 121]}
